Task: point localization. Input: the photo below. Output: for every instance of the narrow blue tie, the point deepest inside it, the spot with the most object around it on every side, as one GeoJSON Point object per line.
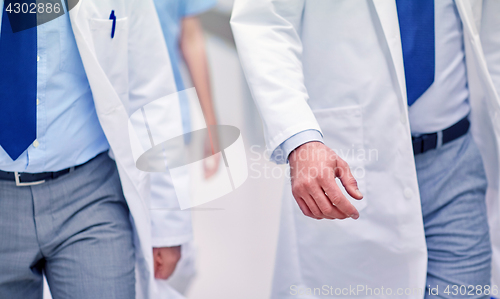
{"type": "Point", "coordinates": [416, 23]}
{"type": "Point", "coordinates": [18, 82]}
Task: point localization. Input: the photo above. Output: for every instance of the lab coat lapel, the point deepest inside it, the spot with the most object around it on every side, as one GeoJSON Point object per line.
{"type": "Point", "coordinates": [469, 11]}
{"type": "Point", "coordinates": [474, 9]}
{"type": "Point", "coordinates": [467, 15]}
{"type": "Point", "coordinates": [388, 16]}
{"type": "Point", "coordinates": [112, 113]}
{"type": "Point", "coordinates": [113, 117]}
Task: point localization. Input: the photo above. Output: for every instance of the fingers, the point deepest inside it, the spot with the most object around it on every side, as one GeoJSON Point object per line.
{"type": "Point", "coordinates": [165, 261]}
{"type": "Point", "coordinates": [211, 165]}
{"type": "Point", "coordinates": [314, 203]}
{"type": "Point", "coordinates": [338, 199]}
{"type": "Point", "coordinates": [318, 212]}
{"type": "Point", "coordinates": [313, 207]}
{"type": "Point", "coordinates": [304, 208]}
{"type": "Point", "coordinates": [304, 200]}
{"type": "Point", "coordinates": [328, 210]}
{"type": "Point", "coordinates": [164, 272]}
{"type": "Point", "coordinates": [343, 172]}
{"type": "Point", "coordinates": [159, 269]}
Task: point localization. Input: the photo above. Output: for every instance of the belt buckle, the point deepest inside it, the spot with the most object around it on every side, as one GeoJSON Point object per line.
{"type": "Point", "coordinates": [19, 184]}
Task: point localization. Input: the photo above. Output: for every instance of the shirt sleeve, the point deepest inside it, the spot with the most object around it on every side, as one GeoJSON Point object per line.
{"type": "Point", "coordinates": [196, 7]}
{"type": "Point", "coordinates": [281, 153]}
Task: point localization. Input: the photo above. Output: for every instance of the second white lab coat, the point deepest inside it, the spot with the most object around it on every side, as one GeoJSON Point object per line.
{"type": "Point", "coordinates": [337, 67]}
{"type": "Point", "coordinates": [125, 73]}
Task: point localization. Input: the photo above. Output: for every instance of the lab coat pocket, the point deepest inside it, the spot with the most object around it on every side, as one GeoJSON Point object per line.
{"type": "Point", "coordinates": [112, 52]}
{"type": "Point", "coordinates": [343, 132]}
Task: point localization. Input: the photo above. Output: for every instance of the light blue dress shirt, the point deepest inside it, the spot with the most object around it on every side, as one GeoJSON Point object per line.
{"type": "Point", "coordinates": [171, 13]}
{"type": "Point", "coordinates": [68, 130]}
{"type": "Point", "coordinates": [443, 104]}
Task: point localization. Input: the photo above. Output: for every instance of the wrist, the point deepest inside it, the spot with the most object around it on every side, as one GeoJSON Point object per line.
{"type": "Point", "coordinates": [295, 154]}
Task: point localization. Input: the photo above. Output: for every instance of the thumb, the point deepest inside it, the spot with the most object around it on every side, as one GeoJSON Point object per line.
{"type": "Point", "coordinates": [343, 172]}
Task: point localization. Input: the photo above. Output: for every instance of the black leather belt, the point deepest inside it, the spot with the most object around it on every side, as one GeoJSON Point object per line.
{"type": "Point", "coordinates": [426, 142]}
{"type": "Point", "coordinates": [23, 179]}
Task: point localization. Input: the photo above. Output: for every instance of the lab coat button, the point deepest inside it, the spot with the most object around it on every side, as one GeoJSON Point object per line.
{"type": "Point", "coordinates": [38, 58]}
{"type": "Point", "coordinates": [402, 119]}
{"type": "Point", "coordinates": [408, 193]}
{"type": "Point", "coordinates": [36, 143]}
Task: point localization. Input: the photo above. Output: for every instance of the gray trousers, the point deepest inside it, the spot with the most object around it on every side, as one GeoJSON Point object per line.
{"type": "Point", "coordinates": [453, 186]}
{"type": "Point", "coordinates": [75, 229]}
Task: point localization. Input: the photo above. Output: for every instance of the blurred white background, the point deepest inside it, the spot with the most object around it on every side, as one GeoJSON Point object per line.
{"type": "Point", "coordinates": [236, 236]}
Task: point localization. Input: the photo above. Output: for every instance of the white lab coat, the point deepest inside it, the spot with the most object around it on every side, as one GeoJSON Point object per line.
{"type": "Point", "coordinates": [337, 66]}
{"type": "Point", "coordinates": [125, 73]}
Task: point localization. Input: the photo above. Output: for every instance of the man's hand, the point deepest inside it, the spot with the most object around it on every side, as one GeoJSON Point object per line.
{"type": "Point", "coordinates": [313, 168]}
{"type": "Point", "coordinates": [165, 261]}
{"type": "Point", "coordinates": [211, 161]}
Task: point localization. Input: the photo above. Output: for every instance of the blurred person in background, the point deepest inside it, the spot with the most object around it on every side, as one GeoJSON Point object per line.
{"type": "Point", "coordinates": [380, 95]}
{"type": "Point", "coordinates": [184, 37]}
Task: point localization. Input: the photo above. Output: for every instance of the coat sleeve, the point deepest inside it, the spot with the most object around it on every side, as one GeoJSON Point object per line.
{"type": "Point", "coordinates": [267, 34]}
{"type": "Point", "coordinates": [151, 78]}
{"type": "Point", "coordinates": [170, 226]}
{"type": "Point", "coordinates": [490, 38]}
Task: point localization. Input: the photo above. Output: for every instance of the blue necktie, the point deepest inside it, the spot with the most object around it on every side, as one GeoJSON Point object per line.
{"type": "Point", "coordinates": [18, 82]}
{"type": "Point", "coordinates": [416, 23]}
